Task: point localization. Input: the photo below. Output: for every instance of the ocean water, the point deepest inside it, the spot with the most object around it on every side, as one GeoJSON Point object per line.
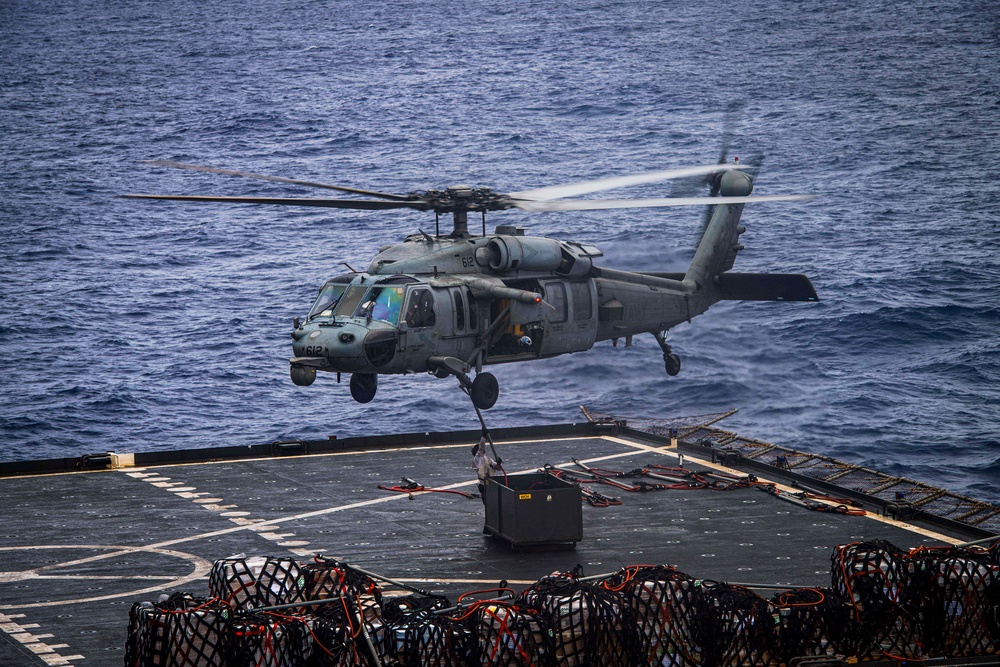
{"type": "Point", "coordinates": [141, 326]}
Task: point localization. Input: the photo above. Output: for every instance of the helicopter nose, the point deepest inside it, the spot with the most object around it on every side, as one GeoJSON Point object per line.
{"type": "Point", "coordinates": [345, 349]}
{"type": "Point", "coordinates": [310, 342]}
{"type": "Point", "coordinates": [349, 348]}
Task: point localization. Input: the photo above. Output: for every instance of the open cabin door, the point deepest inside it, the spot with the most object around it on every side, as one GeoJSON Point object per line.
{"type": "Point", "coordinates": [519, 327]}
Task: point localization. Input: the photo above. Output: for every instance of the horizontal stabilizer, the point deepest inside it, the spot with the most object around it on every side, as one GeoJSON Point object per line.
{"type": "Point", "coordinates": [759, 286]}
{"type": "Point", "coordinates": [766, 287]}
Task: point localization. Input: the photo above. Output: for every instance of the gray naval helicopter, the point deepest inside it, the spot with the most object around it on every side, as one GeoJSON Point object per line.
{"type": "Point", "coordinates": [448, 304]}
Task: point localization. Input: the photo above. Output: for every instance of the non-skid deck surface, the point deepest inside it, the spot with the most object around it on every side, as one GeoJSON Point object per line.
{"type": "Point", "coordinates": [78, 549]}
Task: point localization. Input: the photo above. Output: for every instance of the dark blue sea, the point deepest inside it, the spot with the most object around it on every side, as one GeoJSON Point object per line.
{"type": "Point", "coordinates": [142, 326]}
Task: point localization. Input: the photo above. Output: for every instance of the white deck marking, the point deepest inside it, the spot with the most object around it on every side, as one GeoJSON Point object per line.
{"type": "Point", "coordinates": [200, 569]}
{"type": "Point", "coordinates": [18, 631]}
{"type": "Point", "coordinates": [233, 513]}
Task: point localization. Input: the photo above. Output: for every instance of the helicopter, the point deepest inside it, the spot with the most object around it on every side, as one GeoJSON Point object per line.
{"type": "Point", "coordinates": [448, 304]}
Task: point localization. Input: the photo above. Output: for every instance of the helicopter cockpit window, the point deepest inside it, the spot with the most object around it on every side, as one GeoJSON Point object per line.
{"type": "Point", "coordinates": [420, 309]}
{"type": "Point", "coordinates": [383, 303]}
{"type": "Point", "coordinates": [354, 295]}
{"type": "Point", "coordinates": [328, 299]}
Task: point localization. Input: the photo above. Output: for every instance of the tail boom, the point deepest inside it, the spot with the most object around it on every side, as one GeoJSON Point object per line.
{"type": "Point", "coordinates": [720, 243]}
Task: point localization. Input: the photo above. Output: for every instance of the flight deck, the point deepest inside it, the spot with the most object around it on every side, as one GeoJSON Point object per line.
{"type": "Point", "coordinates": [80, 547]}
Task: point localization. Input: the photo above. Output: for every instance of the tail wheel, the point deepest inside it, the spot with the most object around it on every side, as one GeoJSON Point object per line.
{"type": "Point", "coordinates": [485, 391]}
{"type": "Point", "coordinates": [364, 386]}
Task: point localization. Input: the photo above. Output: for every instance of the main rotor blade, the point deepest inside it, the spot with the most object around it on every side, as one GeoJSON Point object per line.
{"type": "Point", "coordinates": [596, 204]}
{"type": "Point", "coordinates": [364, 204]}
{"type": "Point", "coordinates": [278, 179]}
{"type": "Point", "coordinates": [586, 187]}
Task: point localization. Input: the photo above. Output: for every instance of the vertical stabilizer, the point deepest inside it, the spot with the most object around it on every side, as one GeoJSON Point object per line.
{"type": "Point", "coordinates": [717, 250]}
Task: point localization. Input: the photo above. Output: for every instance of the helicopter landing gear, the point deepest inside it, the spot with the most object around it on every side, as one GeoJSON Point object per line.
{"type": "Point", "coordinates": [484, 391]}
{"type": "Point", "coordinates": [670, 360]}
{"type": "Point", "coordinates": [364, 386]}
{"type": "Point", "coordinates": [673, 364]}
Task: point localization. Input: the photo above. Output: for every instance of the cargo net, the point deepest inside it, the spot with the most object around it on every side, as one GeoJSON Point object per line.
{"type": "Point", "coordinates": [883, 603]}
{"type": "Point", "coordinates": [812, 622]}
{"type": "Point", "coordinates": [663, 601]}
{"type": "Point", "coordinates": [591, 625]}
{"type": "Point", "coordinates": [180, 631]}
{"type": "Point", "coordinates": [353, 595]}
{"type": "Point", "coordinates": [347, 629]}
{"type": "Point", "coordinates": [733, 626]}
{"type": "Point", "coordinates": [421, 638]}
{"type": "Point", "coordinates": [346, 632]}
{"type": "Point", "coordinates": [248, 583]}
{"type": "Point", "coordinates": [921, 603]}
{"type": "Point", "coordinates": [506, 634]}
{"type": "Point", "coordinates": [270, 640]}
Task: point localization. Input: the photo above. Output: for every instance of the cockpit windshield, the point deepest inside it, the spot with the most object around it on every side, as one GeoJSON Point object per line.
{"type": "Point", "coordinates": [330, 295]}
{"type": "Point", "coordinates": [342, 297]}
{"type": "Point", "coordinates": [355, 294]}
{"type": "Point", "coordinates": [328, 299]}
{"type": "Point", "coordinates": [383, 303]}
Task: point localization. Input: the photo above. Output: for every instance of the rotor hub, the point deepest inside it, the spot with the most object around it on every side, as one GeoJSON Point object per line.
{"type": "Point", "coordinates": [464, 198]}
{"type": "Point", "coordinates": [460, 192]}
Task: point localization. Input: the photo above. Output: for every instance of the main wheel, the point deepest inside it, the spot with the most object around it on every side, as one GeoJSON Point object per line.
{"type": "Point", "coordinates": [364, 386]}
{"type": "Point", "coordinates": [673, 363]}
{"type": "Point", "coordinates": [485, 391]}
